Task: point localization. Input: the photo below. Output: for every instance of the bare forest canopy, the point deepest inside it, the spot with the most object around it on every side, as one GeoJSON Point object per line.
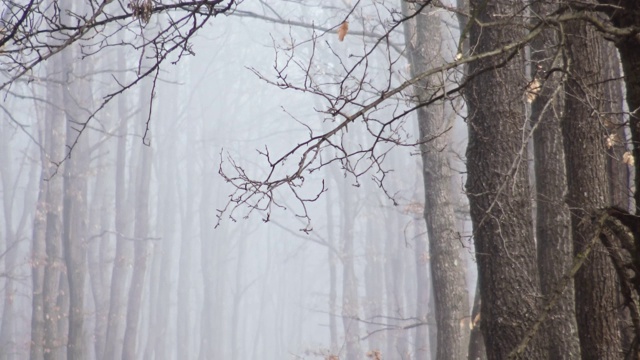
{"type": "Point", "coordinates": [319, 179]}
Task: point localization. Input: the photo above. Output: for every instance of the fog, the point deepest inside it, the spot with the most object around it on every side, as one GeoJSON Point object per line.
{"type": "Point", "coordinates": [178, 254]}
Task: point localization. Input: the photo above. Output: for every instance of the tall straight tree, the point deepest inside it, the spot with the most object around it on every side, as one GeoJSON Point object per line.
{"type": "Point", "coordinates": [497, 182]}
{"type": "Point", "coordinates": [626, 14]}
{"type": "Point", "coordinates": [75, 95]}
{"type": "Point", "coordinates": [553, 229]}
{"type": "Point", "coordinates": [122, 261]}
{"type": "Point", "coordinates": [584, 142]}
{"type": "Point", "coordinates": [423, 39]}
{"type": "Point", "coordinates": [54, 264]}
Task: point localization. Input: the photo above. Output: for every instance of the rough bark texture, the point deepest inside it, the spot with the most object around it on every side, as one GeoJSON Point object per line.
{"type": "Point", "coordinates": [553, 226]}
{"type": "Point", "coordinates": [584, 136]}
{"type": "Point", "coordinates": [422, 36]}
{"type": "Point", "coordinates": [498, 188]}
{"type": "Point", "coordinates": [626, 13]}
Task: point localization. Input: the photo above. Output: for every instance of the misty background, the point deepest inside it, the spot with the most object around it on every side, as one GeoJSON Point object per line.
{"type": "Point", "coordinates": [216, 279]}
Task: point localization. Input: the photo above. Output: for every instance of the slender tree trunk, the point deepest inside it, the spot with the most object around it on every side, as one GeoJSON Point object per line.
{"type": "Point", "coordinates": [75, 209]}
{"type": "Point", "coordinates": [184, 319]}
{"type": "Point", "coordinates": [99, 204]}
{"type": "Point", "coordinates": [53, 340]}
{"type": "Point", "coordinates": [423, 39]}
{"type": "Point", "coordinates": [477, 350]}
{"type": "Point", "coordinates": [237, 298]}
{"type": "Point", "coordinates": [38, 263]}
{"type": "Point", "coordinates": [8, 346]}
{"type": "Point", "coordinates": [333, 259]}
{"type": "Point", "coordinates": [498, 186]}
{"type": "Point", "coordinates": [122, 261]}
{"type": "Point", "coordinates": [373, 303]}
{"type": "Point", "coordinates": [141, 249]}
{"type": "Point", "coordinates": [584, 138]}
{"type": "Point", "coordinates": [350, 303]}
{"type": "Point", "coordinates": [553, 229]}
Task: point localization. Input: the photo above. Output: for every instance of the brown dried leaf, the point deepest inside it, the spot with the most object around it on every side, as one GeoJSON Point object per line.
{"type": "Point", "coordinates": [475, 321]}
{"type": "Point", "coordinates": [374, 354]}
{"type": "Point", "coordinates": [533, 89]}
{"type": "Point", "coordinates": [628, 159]}
{"type": "Point", "coordinates": [342, 30]}
{"type": "Point", "coordinates": [612, 140]}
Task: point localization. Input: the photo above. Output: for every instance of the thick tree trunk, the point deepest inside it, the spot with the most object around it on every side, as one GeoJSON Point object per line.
{"type": "Point", "coordinates": [423, 39]}
{"type": "Point", "coordinates": [498, 187]}
{"type": "Point", "coordinates": [553, 227]}
{"type": "Point", "coordinates": [584, 139]}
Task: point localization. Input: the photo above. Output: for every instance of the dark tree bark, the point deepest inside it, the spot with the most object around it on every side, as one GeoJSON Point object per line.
{"type": "Point", "coordinates": [497, 184]}
{"type": "Point", "coordinates": [553, 227]}
{"type": "Point", "coordinates": [626, 13]}
{"type": "Point", "coordinates": [423, 40]}
{"type": "Point", "coordinates": [584, 138]}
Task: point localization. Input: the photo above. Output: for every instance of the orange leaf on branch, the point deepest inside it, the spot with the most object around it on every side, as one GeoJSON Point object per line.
{"type": "Point", "coordinates": [342, 30]}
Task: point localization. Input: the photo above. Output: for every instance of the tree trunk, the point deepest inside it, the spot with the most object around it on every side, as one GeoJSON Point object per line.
{"type": "Point", "coordinates": [498, 186]}
{"type": "Point", "coordinates": [477, 350]}
{"type": "Point", "coordinates": [141, 249]}
{"type": "Point", "coordinates": [98, 282]}
{"type": "Point", "coordinates": [584, 138]}
{"type": "Point", "coordinates": [38, 263]}
{"type": "Point", "coordinates": [553, 227]}
{"type": "Point", "coordinates": [184, 318]}
{"type": "Point", "coordinates": [75, 209]}
{"type": "Point", "coordinates": [350, 303]}
{"type": "Point", "coordinates": [122, 261]}
{"type": "Point", "coordinates": [56, 140]}
{"type": "Point", "coordinates": [626, 13]}
{"type": "Point", "coordinates": [423, 39]}
{"type": "Point", "coordinates": [9, 253]}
